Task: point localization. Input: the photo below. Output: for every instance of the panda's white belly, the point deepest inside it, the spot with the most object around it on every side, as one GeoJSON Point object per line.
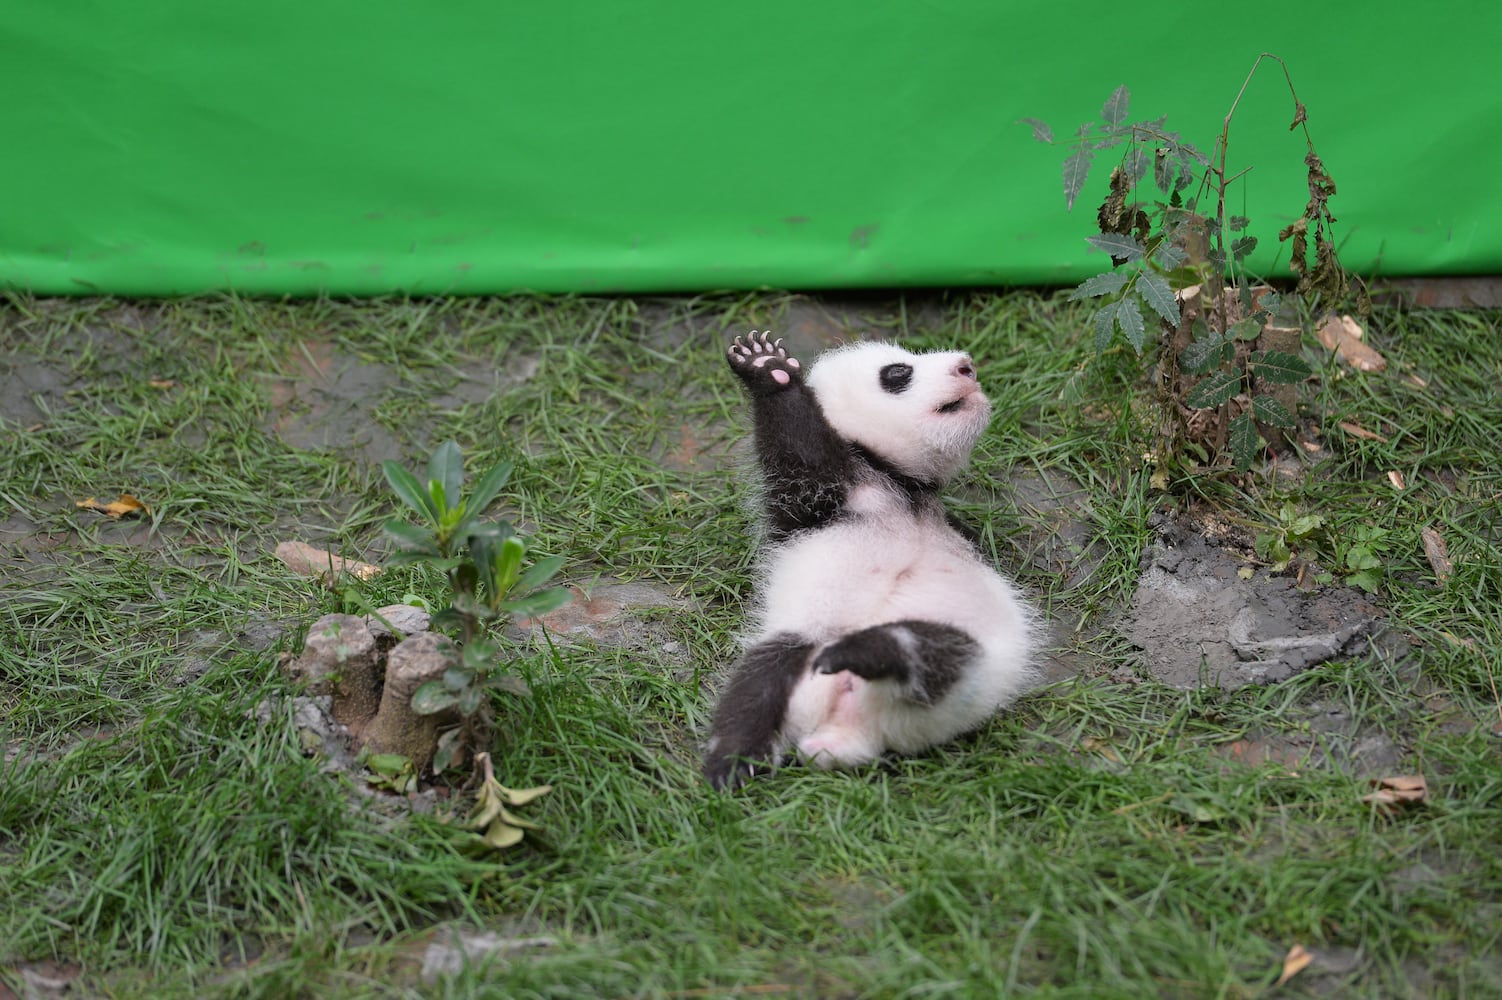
{"type": "Point", "coordinates": [870, 570]}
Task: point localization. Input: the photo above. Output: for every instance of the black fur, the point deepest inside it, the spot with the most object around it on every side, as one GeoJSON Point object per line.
{"type": "Point", "coordinates": [926, 664]}
{"type": "Point", "coordinates": [752, 709]}
{"type": "Point", "coordinates": [804, 464]}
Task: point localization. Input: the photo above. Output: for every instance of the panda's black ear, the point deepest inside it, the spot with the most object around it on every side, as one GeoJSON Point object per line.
{"type": "Point", "coordinates": [896, 378]}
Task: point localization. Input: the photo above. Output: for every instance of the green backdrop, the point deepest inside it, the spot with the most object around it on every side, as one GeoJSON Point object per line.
{"type": "Point", "coordinates": [305, 146]}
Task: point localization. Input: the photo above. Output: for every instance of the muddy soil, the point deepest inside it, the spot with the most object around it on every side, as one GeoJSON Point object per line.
{"type": "Point", "coordinates": [1204, 614]}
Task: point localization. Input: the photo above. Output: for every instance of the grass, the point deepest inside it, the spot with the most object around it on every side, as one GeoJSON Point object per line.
{"type": "Point", "coordinates": [1101, 840]}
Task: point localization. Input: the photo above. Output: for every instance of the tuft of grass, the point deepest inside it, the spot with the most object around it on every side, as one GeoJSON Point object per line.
{"type": "Point", "coordinates": [1103, 839]}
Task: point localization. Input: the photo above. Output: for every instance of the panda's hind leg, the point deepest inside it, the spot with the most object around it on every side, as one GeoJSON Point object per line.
{"type": "Point", "coordinates": [750, 714]}
{"type": "Point", "coordinates": [924, 658]}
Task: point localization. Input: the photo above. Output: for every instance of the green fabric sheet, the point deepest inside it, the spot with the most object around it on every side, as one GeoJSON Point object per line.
{"type": "Point", "coordinates": [478, 147]}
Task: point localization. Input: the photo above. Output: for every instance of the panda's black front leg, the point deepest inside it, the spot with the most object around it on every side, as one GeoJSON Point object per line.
{"type": "Point", "coordinates": [925, 658]}
{"type": "Point", "coordinates": [752, 709]}
{"type": "Point", "coordinates": [803, 461]}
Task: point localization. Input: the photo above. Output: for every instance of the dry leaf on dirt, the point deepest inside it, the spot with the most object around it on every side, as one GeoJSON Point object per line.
{"type": "Point", "coordinates": [116, 509]}
{"type": "Point", "coordinates": [1296, 961]}
{"type": "Point", "coordinates": [309, 561]}
{"type": "Point", "coordinates": [1396, 792]}
{"type": "Point", "coordinates": [1343, 335]}
{"type": "Point", "coordinates": [1094, 744]}
{"type": "Point", "coordinates": [1437, 553]}
{"type": "Point", "coordinates": [1463, 643]}
{"type": "Point", "coordinates": [1356, 430]}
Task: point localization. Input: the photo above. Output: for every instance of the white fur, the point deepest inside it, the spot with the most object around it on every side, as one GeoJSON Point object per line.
{"type": "Point", "coordinates": [906, 429]}
{"type": "Point", "coordinates": [883, 563]}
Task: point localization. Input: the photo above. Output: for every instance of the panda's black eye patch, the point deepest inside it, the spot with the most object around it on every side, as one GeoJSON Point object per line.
{"type": "Point", "coordinates": [897, 377]}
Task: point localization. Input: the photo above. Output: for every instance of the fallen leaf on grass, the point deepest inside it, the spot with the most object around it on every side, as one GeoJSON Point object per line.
{"type": "Point", "coordinates": [1094, 744]}
{"type": "Point", "coordinates": [1396, 478]}
{"type": "Point", "coordinates": [1396, 792]}
{"type": "Point", "coordinates": [161, 383]}
{"type": "Point", "coordinates": [1356, 430]}
{"type": "Point", "coordinates": [1296, 961]}
{"type": "Point", "coordinates": [43, 978]}
{"type": "Point", "coordinates": [1437, 553]}
{"type": "Point", "coordinates": [116, 509]}
{"type": "Point", "coordinates": [1342, 334]}
{"type": "Point", "coordinates": [309, 561]}
{"type": "Point", "coordinates": [1462, 642]}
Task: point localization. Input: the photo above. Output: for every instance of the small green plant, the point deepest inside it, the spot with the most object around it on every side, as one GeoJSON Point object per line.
{"type": "Point", "coordinates": [1179, 264]}
{"type": "Point", "coordinates": [1361, 557]}
{"type": "Point", "coordinates": [390, 771]}
{"type": "Point", "coordinates": [1356, 556]}
{"type": "Point", "coordinates": [488, 583]}
{"type": "Point", "coordinates": [1294, 532]}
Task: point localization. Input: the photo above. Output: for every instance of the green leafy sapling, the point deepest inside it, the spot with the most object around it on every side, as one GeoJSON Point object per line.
{"type": "Point", "coordinates": [1185, 239]}
{"type": "Point", "coordinates": [1149, 252]}
{"type": "Point", "coordinates": [489, 582]}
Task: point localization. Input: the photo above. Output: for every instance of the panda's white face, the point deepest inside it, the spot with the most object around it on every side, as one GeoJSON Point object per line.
{"type": "Point", "coordinates": [921, 413]}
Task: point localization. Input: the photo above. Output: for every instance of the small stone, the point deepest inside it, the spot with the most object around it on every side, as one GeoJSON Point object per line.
{"type": "Point", "coordinates": [407, 619]}
{"type": "Point", "coordinates": [448, 957]}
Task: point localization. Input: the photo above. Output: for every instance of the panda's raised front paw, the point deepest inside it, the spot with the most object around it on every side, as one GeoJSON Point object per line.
{"type": "Point", "coordinates": [763, 364]}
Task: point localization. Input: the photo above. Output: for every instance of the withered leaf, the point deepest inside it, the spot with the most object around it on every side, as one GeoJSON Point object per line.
{"type": "Point", "coordinates": [307, 560]}
{"type": "Point", "coordinates": [1437, 552]}
{"type": "Point", "coordinates": [1356, 430]}
{"type": "Point", "coordinates": [1344, 335]}
{"type": "Point", "coordinates": [1296, 961]}
{"type": "Point", "coordinates": [1298, 230]}
{"type": "Point", "coordinates": [127, 505]}
{"type": "Point", "coordinates": [1464, 642]}
{"type": "Point", "coordinates": [1398, 791]}
{"type": "Point", "coordinates": [1094, 744]}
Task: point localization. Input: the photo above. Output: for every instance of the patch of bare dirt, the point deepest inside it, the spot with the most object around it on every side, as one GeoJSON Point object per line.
{"type": "Point", "coordinates": [1204, 615]}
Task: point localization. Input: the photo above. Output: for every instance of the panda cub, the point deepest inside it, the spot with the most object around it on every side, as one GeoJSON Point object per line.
{"type": "Point", "coordinates": [880, 628]}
